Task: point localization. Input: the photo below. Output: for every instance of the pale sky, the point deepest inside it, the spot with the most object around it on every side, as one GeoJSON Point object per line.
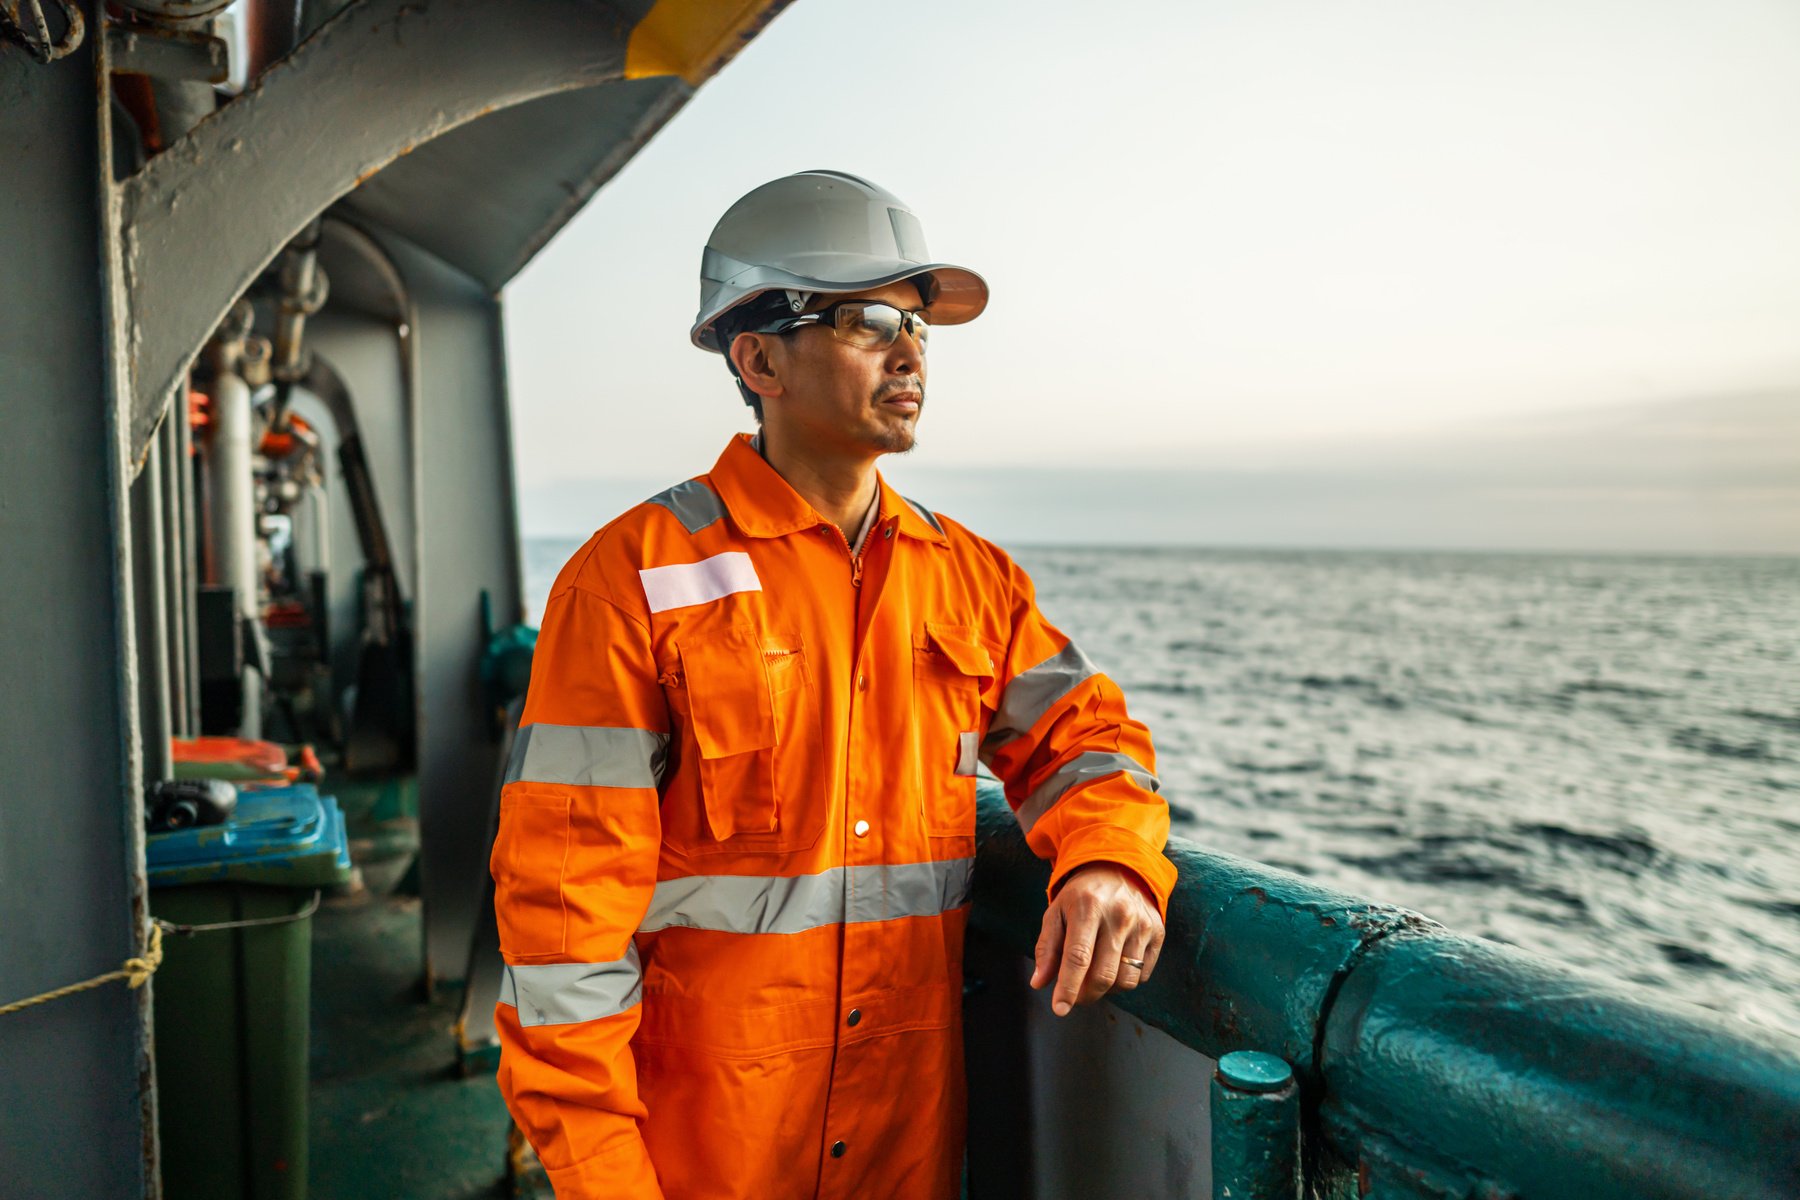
{"type": "Point", "coordinates": [1309, 240]}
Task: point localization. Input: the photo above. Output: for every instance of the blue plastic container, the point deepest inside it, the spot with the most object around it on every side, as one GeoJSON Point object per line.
{"type": "Point", "coordinates": [286, 836]}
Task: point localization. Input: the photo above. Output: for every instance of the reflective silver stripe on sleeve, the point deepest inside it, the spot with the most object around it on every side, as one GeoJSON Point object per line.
{"type": "Point", "coordinates": [587, 756]}
{"type": "Point", "coordinates": [694, 504]}
{"type": "Point", "coordinates": [1083, 768]}
{"type": "Point", "coordinates": [1030, 693]}
{"type": "Point", "coordinates": [795, 904]}
{"type": "Point", "coordinates": [569, 993]}
{"type": "Point", "coordinates": [925, 514]}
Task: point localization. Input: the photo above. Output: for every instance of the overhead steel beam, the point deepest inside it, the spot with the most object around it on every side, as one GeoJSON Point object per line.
{"type": "Point", "coordinates": [516, 188]}
{"type": "Point", "coordinates": [378, 79]}
{"type": "Point", "coordinates": [203, 218]}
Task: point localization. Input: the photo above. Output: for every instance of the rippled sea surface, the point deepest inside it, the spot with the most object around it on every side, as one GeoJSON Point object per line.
{"type": "Point", "coordinates": [1594, 758]}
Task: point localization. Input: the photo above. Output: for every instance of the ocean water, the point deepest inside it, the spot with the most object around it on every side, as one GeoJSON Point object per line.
{"type": "Point", "coordinates": [1594, 758]}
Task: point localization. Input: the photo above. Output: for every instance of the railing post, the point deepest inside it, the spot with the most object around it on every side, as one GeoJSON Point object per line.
{"type": "Point", "coordinates": [1255, 1128]}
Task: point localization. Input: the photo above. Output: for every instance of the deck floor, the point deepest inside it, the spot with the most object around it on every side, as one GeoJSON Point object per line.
{"type": "Point", "coordinates": [390, 1116]}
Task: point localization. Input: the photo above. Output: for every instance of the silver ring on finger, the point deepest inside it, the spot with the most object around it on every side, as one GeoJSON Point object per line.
{"type": "Point", "coordinates": [1132, 962]}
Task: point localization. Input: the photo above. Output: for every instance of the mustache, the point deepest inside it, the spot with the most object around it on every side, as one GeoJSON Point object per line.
{"type": "Point", "coordinates": [900, 388]}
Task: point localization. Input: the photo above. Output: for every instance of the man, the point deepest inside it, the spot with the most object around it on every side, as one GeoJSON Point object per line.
{"type": "Point", "coordinates": [735, 842]}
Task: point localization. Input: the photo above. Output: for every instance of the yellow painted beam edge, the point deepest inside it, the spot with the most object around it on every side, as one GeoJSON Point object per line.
{"type": "Point", "coordinates": [694, 38]}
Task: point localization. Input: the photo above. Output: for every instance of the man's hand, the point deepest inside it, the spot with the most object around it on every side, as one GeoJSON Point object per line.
{"type": "Point", "coordinates": [1100, 917]}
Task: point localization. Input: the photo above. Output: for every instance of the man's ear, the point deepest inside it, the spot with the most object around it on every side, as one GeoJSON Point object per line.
{"type": "Point", "coordinates": [755, 366]}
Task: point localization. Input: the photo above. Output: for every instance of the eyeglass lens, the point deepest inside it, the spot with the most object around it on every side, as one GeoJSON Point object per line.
{"type": "Point", "coordinates": [875, 326]}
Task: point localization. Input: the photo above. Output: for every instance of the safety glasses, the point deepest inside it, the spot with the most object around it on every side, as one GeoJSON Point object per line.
{"type": "Point", "coordinates": [869, 324]}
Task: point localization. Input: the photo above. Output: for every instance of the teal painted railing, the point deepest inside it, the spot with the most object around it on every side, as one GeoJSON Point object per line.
{"type": "Point", "coordinates": [1437, 1065]}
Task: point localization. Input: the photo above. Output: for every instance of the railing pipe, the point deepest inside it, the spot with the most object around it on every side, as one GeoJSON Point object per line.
{"type": "Point", "coordinates": [1457, 1059]}
{"type": "Point", "coordinates": [1442, 1065]}
{"type": "Point", "coordinates": [1252, 957]}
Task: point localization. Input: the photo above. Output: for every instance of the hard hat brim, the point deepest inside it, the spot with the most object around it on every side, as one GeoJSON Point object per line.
{"type": "Point", "coordinates": [961, 293]}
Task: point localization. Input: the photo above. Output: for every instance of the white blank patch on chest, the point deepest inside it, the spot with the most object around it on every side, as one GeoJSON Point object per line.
{"type": "Point", "coordinates": [682, 584]}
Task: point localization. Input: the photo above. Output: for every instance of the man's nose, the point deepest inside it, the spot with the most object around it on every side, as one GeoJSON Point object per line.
{"type": "Point", "coordinates": [905, 356]}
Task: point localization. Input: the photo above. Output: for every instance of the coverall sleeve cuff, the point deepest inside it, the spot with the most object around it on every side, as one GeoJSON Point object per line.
{"type": "Point", "coordinates": [622, 1171]}
{"type": "Point", "coordinates": [1121, 848]}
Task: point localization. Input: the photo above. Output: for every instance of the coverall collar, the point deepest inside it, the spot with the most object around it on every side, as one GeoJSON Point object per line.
{"type": "Point", "coordinates": [763, 504]}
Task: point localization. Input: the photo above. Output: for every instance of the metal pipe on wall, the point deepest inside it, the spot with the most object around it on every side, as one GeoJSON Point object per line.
{"type": "Point", "coordinates": [304, 289]}
{"type": "Point", "coordinates": [302, 294]}
{"type": "Point", "coordinates": [272, 30]}
{"type": "Point", "coordinates": [150, 601]}
{"type": "Point", "coordinates": [189, 543]}
{"type": "Point", "coordinates": [231, 496]}
{"type": "Point", "coordinates": [181, 103]}
{"type": "Point", "coordinates": [318, 511]}
{"type": "Point", "coordinates": [177, 578]}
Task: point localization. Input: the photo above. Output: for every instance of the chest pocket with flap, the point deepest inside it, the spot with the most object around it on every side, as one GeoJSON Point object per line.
{"type": "Point", "coordinates": [950, 669]}
{"type": "Point", "coordinates": [751, 710]}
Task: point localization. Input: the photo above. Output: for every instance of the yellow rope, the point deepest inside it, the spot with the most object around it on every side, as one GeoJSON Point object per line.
{"type": "Point", "coordinates": [134, 971]}
{"type": "Point", "coordinates": [137, 971]}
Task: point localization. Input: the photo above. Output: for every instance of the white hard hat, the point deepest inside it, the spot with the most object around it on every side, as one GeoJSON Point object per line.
{"type": "Point", "coordinates": [823, 232]}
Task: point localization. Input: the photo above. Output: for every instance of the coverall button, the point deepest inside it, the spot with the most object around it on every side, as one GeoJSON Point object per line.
{"type": "Point", "coordinates": [862, 681]}
{"type": "Point", "coordinates": [837, 1149]}
{"type": "Point", "coordinates": [854, 1017]}
{"type": "Point", "coordinates": [862, 829]}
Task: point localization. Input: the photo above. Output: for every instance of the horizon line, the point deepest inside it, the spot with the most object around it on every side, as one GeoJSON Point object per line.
{"type": "Point", "coordinates": [1316, 548]}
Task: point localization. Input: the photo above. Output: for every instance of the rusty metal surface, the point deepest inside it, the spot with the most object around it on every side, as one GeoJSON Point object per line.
{"type": "Point", "coordinates": [28, 23]}
{"type": "Point", "coordinates": [177, 10]}
{"type": "Point", "coordinates": [204, 217]}
{"type": "Point", "coordinates": [167, 53]}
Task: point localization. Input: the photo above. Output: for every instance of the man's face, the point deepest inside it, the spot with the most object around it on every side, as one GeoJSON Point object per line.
{"type": "Point", "coordinates": [845, 399]}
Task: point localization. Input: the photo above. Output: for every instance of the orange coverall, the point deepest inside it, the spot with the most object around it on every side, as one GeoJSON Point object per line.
{"type": "Point", "coordinates": [737, 831]}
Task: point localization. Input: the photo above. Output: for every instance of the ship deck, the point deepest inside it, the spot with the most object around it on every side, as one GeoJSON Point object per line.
{"type": "Point", "coordinates": [391, 1115]}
